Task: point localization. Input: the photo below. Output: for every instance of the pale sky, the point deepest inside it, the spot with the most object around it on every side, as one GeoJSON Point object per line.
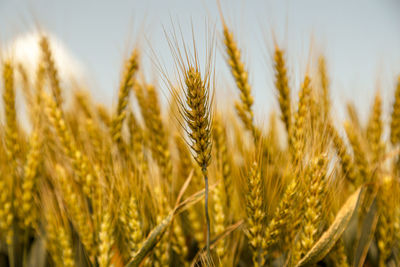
{"type": "Point", "coordinates": [360, 38]}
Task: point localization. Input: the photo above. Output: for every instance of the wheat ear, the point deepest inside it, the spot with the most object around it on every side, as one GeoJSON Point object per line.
{"type": "Point", "coordinates": [395, 120]}
{"type": "Point", "coordinates": [282, 86]}
{"type": "Point", "coordinates": [324, 81]}
{"type": "Point", "coordinates": [255, 215]}
{"type": "Point", "coordinates": [315, 179]}
{"type": "Point", "coordinates": [8, 199]}
{"type": "Point", "coordinates": [50, 67]}
{"type": "Point", "coordinates": [244, 106]}
{"type": "Point", "coordinates": [375, 128]}
{"type": "Point", "coordinates": [297, 134]}
{"type": "Point", "coordinates": [131, 68]}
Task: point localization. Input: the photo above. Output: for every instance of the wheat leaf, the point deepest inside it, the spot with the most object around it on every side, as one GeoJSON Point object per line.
{"type": "Point", "coordinates": [157, 233]}
{"type": "Point", "coordinates": [334, 232]}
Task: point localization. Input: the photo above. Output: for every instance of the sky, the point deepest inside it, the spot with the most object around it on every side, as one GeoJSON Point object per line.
{"type": "Point", "coordinates": [360, 39]}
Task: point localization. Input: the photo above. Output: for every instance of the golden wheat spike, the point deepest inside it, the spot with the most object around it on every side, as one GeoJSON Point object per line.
{"type": "Point", "coordinates": [395, 119]}
{"type": "Point", "coordinates": [316, 189]}
{"type": "Point", "coordinates": [375, 128]}
{"type": "Point", "coordinates": [324, 80]}
{"type": "Point", "coordinates": [255, 214]}
{"type": "Point", "coordinates": [282, 86]}
{"type": "Point", "coordinates": [297, 135]}
{"type": "Point", "coordinates": [9, 181]}
{"type": "Point", "coordinates": [385, 232]}
{"type": "Point", "coordinates": [77, 211]}
{"type": "Point", "coordinates": [50, 67]}
{"type": "Point", "coordinates": [244, 106]}
{"type": "Point", "coordinates": [131, 67]}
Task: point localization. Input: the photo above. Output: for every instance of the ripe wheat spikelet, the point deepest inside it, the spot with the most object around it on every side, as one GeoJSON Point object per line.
{"type": "Point", "coordinates": [76, 209]}
{"type": "Point", "coordinates": [50, 67]}
{"type": "Point", "coordinates": [244, 106]}
{"type": "Point", "coordinates": [222, 156]}
{"type": "Point", "coordinates": [375, 128]}
{"type": "Point", "coordinates": [79, 160]}
{"type": "Point", "coordinates": [160, 145]}
{"type": "Point", "coordinates": [29, 182]}
{"type": "Point", "coordinates": [219, 219]}
{"type": "Point", "coordinates": [386, 224]}
{"type": "Point", "coordinates": [58, 232]}
{"type": "Point", "coordinates": [315, 178]}
{"type": "Point", "coordinates": [12, 148]}
{"type": "Point", "coordinates": [127, 81]}
{"type": "Point", "coordinates": [300, 119]}
{"type": "Point", "coordinates": [105, 239]}
{"type": "Point", "coordinates": [324, 80]}
{"type": "Point", "coordinates": [282, 85]}
{"type": "Point", "coordinates": [360, 159]}
{"type": "Point", "coordinates": [395, 121]}
{"type": "Point", "coordinates": [344, 157]}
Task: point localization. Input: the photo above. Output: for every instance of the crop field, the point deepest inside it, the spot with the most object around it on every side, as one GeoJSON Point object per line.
{"type": "Point", "coordinates": [186, 182]}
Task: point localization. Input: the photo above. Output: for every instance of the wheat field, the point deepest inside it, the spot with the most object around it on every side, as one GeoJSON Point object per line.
{"type": "Point", "coordinates": [189, 183]}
